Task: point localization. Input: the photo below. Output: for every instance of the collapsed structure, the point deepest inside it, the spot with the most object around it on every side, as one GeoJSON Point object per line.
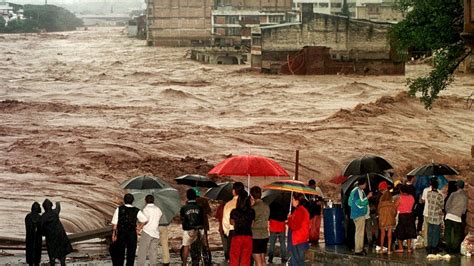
{"type": "Point", "coordinates": [325, 44]}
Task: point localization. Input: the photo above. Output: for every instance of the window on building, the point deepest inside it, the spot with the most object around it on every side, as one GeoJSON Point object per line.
{"type": "Point", "coordinates": [256, 41]}
{"type": "Point", "coordinates": [232, 20]}
{"type": "Point", "coordinates": [233, 31]}
{"type": "Point", "coordinates": [324, 5]}
{"type": "Point", "coordinates": [276, 19]}
{"type": "Point", "coordinates": [336, 5]}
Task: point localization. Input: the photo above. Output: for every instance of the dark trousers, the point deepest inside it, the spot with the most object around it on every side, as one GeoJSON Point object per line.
{"type": "Point", "coordinates": [52, 261]}
{"type": "Point", "coordinates": [297, 254]}
{"type": "Point", "coordinates": [433, 237]}
{"type": "Point", "coordinates": [419, 216]}
{"type": "Point", "coordinates": [128, 242]}
{"type": "Point", "coordinates": [272, 241]}
{"type": "Point", "coordinates": [452, 235]}
{"type": "Point", "coordinates": [225, 245]}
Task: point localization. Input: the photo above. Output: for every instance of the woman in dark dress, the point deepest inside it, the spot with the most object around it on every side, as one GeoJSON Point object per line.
{"type": "Point", "coordinates": [33, 235]}
{"type": "Point", "coordinates": [57, 242]}
{"type": "Point", "coordinates": [242, 218]}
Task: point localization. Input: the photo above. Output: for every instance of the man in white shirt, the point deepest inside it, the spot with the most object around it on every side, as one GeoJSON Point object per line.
{"type": "Point", "coordinates": [150, 233]}
{"type": "Point", "coordinates": [124, 234]}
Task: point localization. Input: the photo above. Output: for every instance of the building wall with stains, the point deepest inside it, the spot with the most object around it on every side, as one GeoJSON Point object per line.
{"type": "Point", "coordinates": [179, 22]}
{"type": "Point", "coordinates": [348, 40]}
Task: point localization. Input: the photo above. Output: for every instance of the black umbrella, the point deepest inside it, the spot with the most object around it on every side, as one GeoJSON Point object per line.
{"type": "Point", "coordinates": [144, 182]}
{"type": "Point", "coordinates": [222, 192]}
{"type": "Point", "coordinates": [195, 181]}
{"type": "Point", "coordinates": [365, 165]}
{"type": "Point", "coordinates": [374, 180]}
{"type": "Point", "coordinates": [435, 169]}
{"type": "Point", "coordinates": [278, 201]}
{"type": "Point", "coordinates": [166, 199]}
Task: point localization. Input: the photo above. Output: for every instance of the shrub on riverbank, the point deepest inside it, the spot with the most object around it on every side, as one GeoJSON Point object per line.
{"type": "Point", "coordinates": [37, 18]}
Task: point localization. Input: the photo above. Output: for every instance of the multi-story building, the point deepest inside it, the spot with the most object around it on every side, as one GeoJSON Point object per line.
{"type": "Point", "coordinates": [205, 22]}
{"type": "Point", "coordinates": [233, 20]}
{"type": "Point", "coordinates": [375, 10]}
{"type": "Point", "coordinates": [179, 22]}
{"type": "Point", "coordinates": [330, 7]}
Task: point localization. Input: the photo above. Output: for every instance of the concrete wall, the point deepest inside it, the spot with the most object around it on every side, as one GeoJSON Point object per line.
{"type": "Point", "coordinates": [337, 33]}
{"type": "Point", "coordinates": [470, 191]}
{"type": "Point", "coordinates": [378, 12]}
{"type": "Point", "coordinates": [179, 22]}
{"type": "Point", "coordinates": [273, 5]}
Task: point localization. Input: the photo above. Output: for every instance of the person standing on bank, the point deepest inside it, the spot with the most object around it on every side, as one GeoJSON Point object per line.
{"type": "Point", "coordinates": [227, 227]}
{"type": "Point", "coordinates": [435, 202]}
{"type": "Point", "coordinates": [206, 212]}
{"type": "Point", "coordinates": [316, 208]}
{"type": "Point", "coordinates": [192, 221]}
{"type": "Point", "coordinates": [298, 224]}
{"type": "Point", "coordinates": [406, 228]}
{"type": "Point", "coordinates": [277, 228]}
{"type": "Point", "coordinates": [150, 233]}
{"type": "Point", "coordinates": [125, 229]}
{"type": "Point", "coordinates": [260, 226]}
{"type": "Point", "coordinates": [456, 206]}
{"type": "Point", "coordinates": [33, 235]}
{"type": "Point", "coordinates": [57, 242]}
{"type": "Point", "coordinates": [359, 213]}
{"type": "Point", "coordinates": [241, 218]}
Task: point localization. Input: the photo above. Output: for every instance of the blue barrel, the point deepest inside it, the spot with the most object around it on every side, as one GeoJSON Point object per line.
{"type": "Point", "coordinates": [333, 226]}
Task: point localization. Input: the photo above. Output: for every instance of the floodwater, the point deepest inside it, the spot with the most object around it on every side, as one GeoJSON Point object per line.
{"type": "Point", "coordinates": [82, 111]}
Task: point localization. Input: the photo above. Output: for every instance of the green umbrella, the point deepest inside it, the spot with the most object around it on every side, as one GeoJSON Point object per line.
{"type": "Point", "coordinates": [167, 199]}
{"type": "Point", "coordinates": [144, 182]}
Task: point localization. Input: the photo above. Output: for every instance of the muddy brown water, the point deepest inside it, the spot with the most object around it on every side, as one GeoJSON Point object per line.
{"type": "Point", "coordinates": [82, 111]}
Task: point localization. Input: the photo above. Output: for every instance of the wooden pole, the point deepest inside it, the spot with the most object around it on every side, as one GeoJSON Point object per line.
{"type": "Point", "coordinates": [297, 162]}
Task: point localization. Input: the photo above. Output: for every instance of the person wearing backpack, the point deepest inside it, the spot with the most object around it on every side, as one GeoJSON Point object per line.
{"type": "Point", "coordinates": [126, 223]}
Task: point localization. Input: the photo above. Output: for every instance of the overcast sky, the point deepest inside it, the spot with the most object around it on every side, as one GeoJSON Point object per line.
{"type": "Point", "coordinates": [90, 6]}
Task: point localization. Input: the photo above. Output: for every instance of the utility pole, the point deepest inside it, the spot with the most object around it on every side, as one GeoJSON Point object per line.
{"type": "Point", "coordinates": [45, 2]}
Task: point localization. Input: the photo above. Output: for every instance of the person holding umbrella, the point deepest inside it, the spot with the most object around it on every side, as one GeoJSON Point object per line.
{"type": "Point", "coordinates": [359, 203]}
{"type": "Point", "coordinates": [298, 224]}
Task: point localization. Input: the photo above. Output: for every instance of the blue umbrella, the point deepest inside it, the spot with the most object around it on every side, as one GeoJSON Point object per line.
{"type": "Point", "coordinates": [423, 181]}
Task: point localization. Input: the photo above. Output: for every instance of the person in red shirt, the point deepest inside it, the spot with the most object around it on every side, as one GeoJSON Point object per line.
{"type": "Point", "coordinates": [298, 224]}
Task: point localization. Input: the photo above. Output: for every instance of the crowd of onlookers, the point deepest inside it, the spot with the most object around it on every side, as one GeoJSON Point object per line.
{"type": "Point", "coordinates": [247, 226]}
{"type": "Point", "coordinates": [390, 217]}
{"type": "Point", "coordinates": [404, 215]}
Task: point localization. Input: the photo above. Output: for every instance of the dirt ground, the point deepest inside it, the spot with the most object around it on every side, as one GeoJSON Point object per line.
{"type": "Point", "coordinates": [82, 111]}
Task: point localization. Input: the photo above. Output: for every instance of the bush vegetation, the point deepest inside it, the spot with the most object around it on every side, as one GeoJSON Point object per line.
{"type": "Point", "coordinates": [48, 18]}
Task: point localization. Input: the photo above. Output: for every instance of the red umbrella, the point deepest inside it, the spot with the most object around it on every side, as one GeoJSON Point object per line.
{"type": "Point", "coordinates": [338, 179]}
{"type": "Point", "coordinates": [248, 165]}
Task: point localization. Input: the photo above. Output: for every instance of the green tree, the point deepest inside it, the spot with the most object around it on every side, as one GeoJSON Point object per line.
{"type": "Point", "coordinates": [42, 17]}
{"type": "Point", "coordinates": [431, 26]}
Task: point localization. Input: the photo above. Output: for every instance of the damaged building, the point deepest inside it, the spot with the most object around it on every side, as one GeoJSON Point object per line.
{"type": "Point", "coordinates": [179, 22]}
{"type": "Point", "coordinates": [211, 22]}
{"type": "Point", "coordinates": [325, 44]}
